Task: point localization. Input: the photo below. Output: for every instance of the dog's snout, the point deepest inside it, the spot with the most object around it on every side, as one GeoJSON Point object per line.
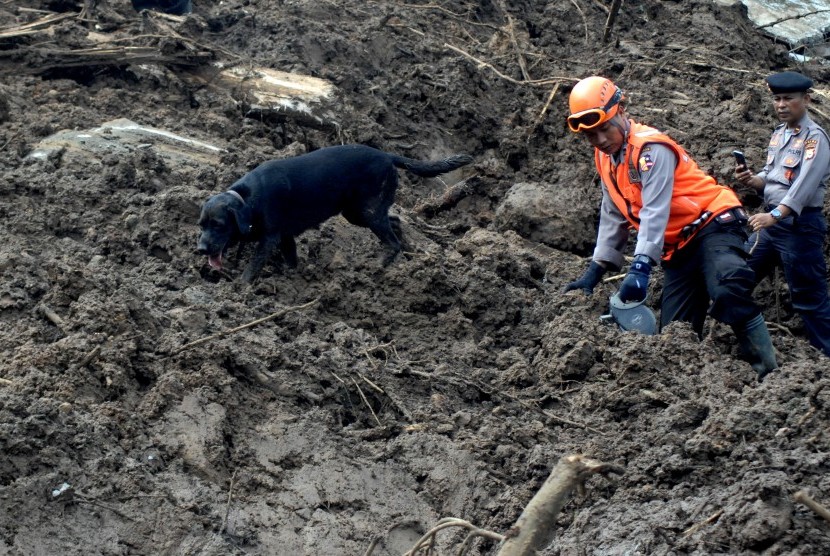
{"type": "Point", "coordinates": [202, 246]}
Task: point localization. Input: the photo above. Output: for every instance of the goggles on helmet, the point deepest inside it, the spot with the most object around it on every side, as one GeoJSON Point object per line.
{"type": "Point", "coordinates": [591, 118]}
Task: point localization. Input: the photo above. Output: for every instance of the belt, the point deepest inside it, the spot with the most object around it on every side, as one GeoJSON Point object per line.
{"type": "Point", "coordinates": [737, 214]}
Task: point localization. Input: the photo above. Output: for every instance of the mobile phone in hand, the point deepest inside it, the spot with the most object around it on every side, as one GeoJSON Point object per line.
{"type": "Point", "coordinates": [740, 159]}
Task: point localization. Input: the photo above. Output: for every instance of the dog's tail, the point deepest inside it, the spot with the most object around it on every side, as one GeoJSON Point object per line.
{"type": "Point", "coordinates": [431, 168]}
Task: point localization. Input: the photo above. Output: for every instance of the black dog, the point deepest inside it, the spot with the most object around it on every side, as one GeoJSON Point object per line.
{"type": "Point", "coordinates": [280, 199]}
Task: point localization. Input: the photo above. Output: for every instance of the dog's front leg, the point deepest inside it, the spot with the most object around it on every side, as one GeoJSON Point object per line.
{"type": "Point", "coordinates": [288, 248]}
{"type": "Point", "coordinates": [263, 252]}
{"type": "Point", "coordinates": [240, 250]}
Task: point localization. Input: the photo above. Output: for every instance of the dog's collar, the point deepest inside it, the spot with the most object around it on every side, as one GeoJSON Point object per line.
{"type": "Point", "coordinates": [237, 195]}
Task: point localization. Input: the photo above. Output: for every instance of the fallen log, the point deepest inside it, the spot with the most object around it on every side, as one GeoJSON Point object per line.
{"type": "Point", "coordinates": [269, 94]}
{"type": "Point", "coordinates": [533, 531]}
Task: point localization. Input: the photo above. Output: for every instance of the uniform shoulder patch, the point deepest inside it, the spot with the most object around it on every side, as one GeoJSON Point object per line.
{"type": "Point", "coordinates": [646, 162]}
{"type": "Point", "coordinates": [810, 146]}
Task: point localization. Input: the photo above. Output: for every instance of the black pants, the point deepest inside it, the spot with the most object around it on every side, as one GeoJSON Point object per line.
{"type": "Point", "coordinates": [712, 268]}
{"type": "Point", "coordinates": [796, 245]}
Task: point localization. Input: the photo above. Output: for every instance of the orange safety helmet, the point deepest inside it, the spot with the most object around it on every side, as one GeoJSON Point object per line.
{"type": "Point", "coordinates": [593, 101]}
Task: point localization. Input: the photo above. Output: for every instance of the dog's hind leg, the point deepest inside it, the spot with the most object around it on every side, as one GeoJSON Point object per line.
{"type": "Point", "coordinates": [382, 227]}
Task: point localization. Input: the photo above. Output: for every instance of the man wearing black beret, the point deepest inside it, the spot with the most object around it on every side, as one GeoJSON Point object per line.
{"type": "Point", "coordinates": [792, 228]}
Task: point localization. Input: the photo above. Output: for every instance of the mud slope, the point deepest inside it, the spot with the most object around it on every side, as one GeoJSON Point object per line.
{"type": "Point", "coordinates": [382, 398]}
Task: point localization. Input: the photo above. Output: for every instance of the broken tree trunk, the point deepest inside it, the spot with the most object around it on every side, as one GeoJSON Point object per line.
{"type": "Point", "coordinates": [533, 531]}
{"type": "Point", "coordinates": [268, 94]}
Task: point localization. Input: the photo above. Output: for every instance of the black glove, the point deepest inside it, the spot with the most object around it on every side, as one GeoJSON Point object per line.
{"type": "Point", "coordinates": [635, 284]}
{"type": "Point", "coordinates": [589, 280]}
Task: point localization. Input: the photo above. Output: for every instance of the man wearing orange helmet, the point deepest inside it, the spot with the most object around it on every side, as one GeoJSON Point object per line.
{"type": "Point", "coordinates": [682, 216]}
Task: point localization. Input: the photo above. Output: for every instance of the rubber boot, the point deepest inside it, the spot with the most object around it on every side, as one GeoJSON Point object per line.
{"type": "Point", "coordinates": [756, 346]}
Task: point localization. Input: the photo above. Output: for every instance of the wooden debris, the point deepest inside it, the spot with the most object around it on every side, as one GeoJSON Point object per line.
{"type": "Point", "coordinates": [267, 93]}
{"type": "Point", "coordinates": [534, 528]}
{"type": "Point", "coordinates": [52, 316]}
{"type": "Point", "coordinates": [804, 498]}
{"type": "Point", "coordinates": [698, 526]}
{"type": "Point", "coordinates": [612, 17]}
{"type": "Point", "coordinates": [451, 197]}
{"type": "Point", "coordinates": [427, 541]}
{"type": "Point", "coordinates": [41, 25]}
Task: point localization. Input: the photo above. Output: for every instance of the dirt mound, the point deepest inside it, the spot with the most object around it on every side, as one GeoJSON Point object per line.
{"type": "Point", "coordinates": [379, 399]}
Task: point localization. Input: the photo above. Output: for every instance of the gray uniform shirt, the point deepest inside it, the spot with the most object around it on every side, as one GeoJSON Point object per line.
{"type": "Point", "coordinates": [657, 189]}
{"type": "Point", "coordinates": [798, 165]}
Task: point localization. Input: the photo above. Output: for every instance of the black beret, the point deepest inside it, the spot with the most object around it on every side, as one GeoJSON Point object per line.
{"type": "Point", "coordinates": [788, 82]}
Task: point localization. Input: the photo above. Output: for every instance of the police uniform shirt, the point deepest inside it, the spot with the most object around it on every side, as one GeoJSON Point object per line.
{"type": "Point", "coordinates": [797, 166]}
{"type": "Point", "coordinates": [657, 189]}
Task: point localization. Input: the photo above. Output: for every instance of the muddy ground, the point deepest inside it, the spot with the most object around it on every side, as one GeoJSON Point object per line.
{"type": "Point", "coordinates": [446, 384]}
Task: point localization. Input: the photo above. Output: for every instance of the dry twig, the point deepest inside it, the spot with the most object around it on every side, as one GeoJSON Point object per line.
{"type": "Point", "coordinates": [35, 26]}
{"type": "Point", "coordinates": [544, 111]}
{"type": "Point", "coordinates": [96, 351]}
{"type": "Point", "coordinates": [755, 243]}
{"type": "Point", "coordinates": [372, 384]}
{"type": "Point", "coordinates": [452, 14]}
{"type": "Point", "coordinates": [533, 82]}
{"type": "Point", "coordinates": [427, 541]}
{"type": "Point", "coordinates": [12, 138]}
{"type": "Point", "coordinates": [584, 19]}
{"type": "Point", "coordinates": [228, 505]}
{"type": "Point", "coordinates": [612, 17]}
{"type": "Point", "coordinates": [52, 317]}
{"type": "Point", "coordinates": [365, 401]}
{"type": "Point", "coordinates": [251, 324]}
{"type": "Point", "coordinates": [803, 497]}
{"type": "Point", "coordinates": [788, 18]}
{"type": "Point", "coordinates": [781, 327]}
{"type": "Point", "coordinates": [698, 526]}
{"type": "Point", "coordinates": [511, 33]}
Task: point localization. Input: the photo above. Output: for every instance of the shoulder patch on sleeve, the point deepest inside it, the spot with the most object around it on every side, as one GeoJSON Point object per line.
{"type": "Point", "coordinates": [646, 162]}
{"type": "Point", "coordinates": [810, 146]}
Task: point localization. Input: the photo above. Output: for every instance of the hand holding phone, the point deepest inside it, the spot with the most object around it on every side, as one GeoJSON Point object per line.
{"type": "Point", "coordinates": [740, 159]}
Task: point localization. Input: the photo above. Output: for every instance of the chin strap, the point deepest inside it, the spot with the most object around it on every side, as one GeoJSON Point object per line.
{"type": "Point", "coordinates": [621, 123]}
{"type": "Point", "coordinates": [237, 195]}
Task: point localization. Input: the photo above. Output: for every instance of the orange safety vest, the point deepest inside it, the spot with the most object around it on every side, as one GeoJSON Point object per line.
{"type": "Point", "coordinates": [694, 192]}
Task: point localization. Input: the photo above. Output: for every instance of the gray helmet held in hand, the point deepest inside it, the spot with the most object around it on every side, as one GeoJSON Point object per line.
{"type": "Point", "coordinates": [632, 316]}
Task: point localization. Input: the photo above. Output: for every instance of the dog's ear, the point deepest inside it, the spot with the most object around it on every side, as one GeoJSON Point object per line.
{"type": "Point", "coordinates": [243, 219]}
